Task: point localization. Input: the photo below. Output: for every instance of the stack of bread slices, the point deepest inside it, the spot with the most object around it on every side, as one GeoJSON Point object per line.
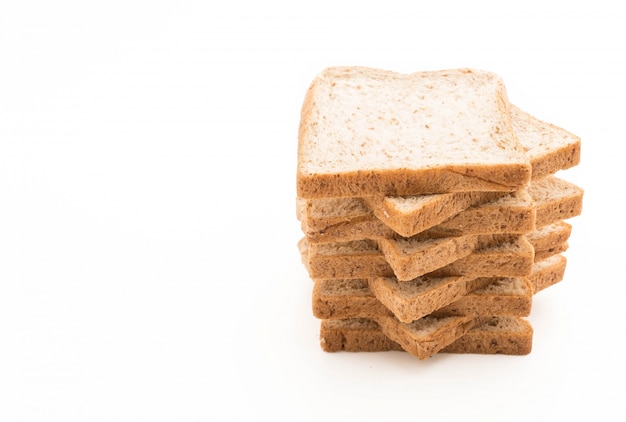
{"type": "Point", "coordinates": [430, 209]}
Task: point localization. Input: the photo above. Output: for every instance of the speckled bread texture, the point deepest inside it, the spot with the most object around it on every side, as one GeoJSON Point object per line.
{"type": "Point", "coordinates": [541, 255]}
{"type": "Point", "coordinates": [355, 259]}
{"type": "Point", "coordinates": [550, 240]}
{"type": "Point", "coordinates": [354, 335]}
{"type": "Point", "coordinates": [319, 214]}
{"type": "Point", "coordinates": [410, 258]}
{"type": "Point", "coordinates": [508, 255]}
{"type": "Point", "coordinates": [549, 148]}
{"type": "Point", "coordinates": [345, 298]}
{"type": "Point", "coordinates": [545, 202]}
{"type": "Point", "coordinates": [509, 213]}
{"type": "Point", "coordinates": [495, 335]}
{"type": "Point", "coordinates": [559, 199]}
{"type": "Point", "coordinates": [318, 228]}
{"type": "Point", "coordinates": [422, 296]}
{"type": "Point", "coordinates": [513, 213]}
{"type": "Point", "coordinates": [508, 296]}
{"type": "Point", "coordinates": [341, 299]}
{"type": "Point", "coordinates": [410, 215]}
{"type": "Point", "coordinates": [470, 297]}
{"type": "Point", "coordinates": [549, 272]}
{"type": "Point", "coordinates": [362, 259]}
{"type": "Point", "coordinates": [550, 235]}
{"type": "Point", "coordinates": [428, 335]}
{"type": "Point", "coordinates": [507, 258]}
{"type": "Point", "coordinates": [366, 132]}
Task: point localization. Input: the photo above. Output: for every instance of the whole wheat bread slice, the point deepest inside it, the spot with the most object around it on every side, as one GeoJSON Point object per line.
{"type": "Point", "coordinates": [428, 335]}
{"type": "Point", "coordinates": [354, 335]}
{"type": "Point", "coordinates": [510, 213]}
{"type": "Point", "coordinates": [495, 335]}
{"type": "Point", "coordinates": [506, 254]}
{"type": "Point", "coordinates": [514, 213]}
{"type": "Point", "coordinates": [319, 214]}
{"type": "Point", "coordinates": [363, 259]}
{"type": "Point", "coordinates": [352, 298]}
{"type": "Point", "coordinates": [549, 200]}
{"type": "Point", "coordinates": [479, 296]}
{"type": "Point", "coordinates": [340, 299]}
{"type": "Point", "coordinates": [504, 335]}
{"type": "Point", "coordinates": [550, 235]}
{"type": "Point", "coordinates": [367, 132]}
{"type": "Point", "coordinates": [411, 258]}
{"type": "Point", "coordinates": [410, 215]}
{"type": "Point", "coordinates": [549, 271]}
{"type": "Point", "coordinates": [355, 259]}
{"type": "Point", "coordinates": [510, 296]}
{"type": "Point", "coordinates": [559, 199]}
{"type": "Point", "coordinates": [512, 256]}
{"type": "Point", "coordinates": [557, 249]}
{"type": "Point", "coordinates": [550, 240]}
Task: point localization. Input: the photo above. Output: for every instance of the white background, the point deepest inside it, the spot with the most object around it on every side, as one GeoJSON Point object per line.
{"type": "Point", "coordinates": [148, 260]}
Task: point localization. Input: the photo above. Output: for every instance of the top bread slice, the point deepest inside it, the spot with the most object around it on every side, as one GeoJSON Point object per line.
{"type": "Point", "coordinates": [368, 132]}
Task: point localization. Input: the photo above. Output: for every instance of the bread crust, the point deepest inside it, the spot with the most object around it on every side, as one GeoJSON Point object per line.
{"type": "Point", "coordinates": [412, 182]}
{"type": "Point", "coordinates": [435, 210]}
{"type": "Point", "coordinates": [363, 335]}
{"type": "Point", "coordinates": [353, 298]}
{"type": "Point", "coordinates": [557, 200]}
{"type": "Point", "coordinates": [549, 201]}
{"type": "Point", "coordinates": [506, 259]}
{"type": "Point", "coordinates": [445, 330]}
